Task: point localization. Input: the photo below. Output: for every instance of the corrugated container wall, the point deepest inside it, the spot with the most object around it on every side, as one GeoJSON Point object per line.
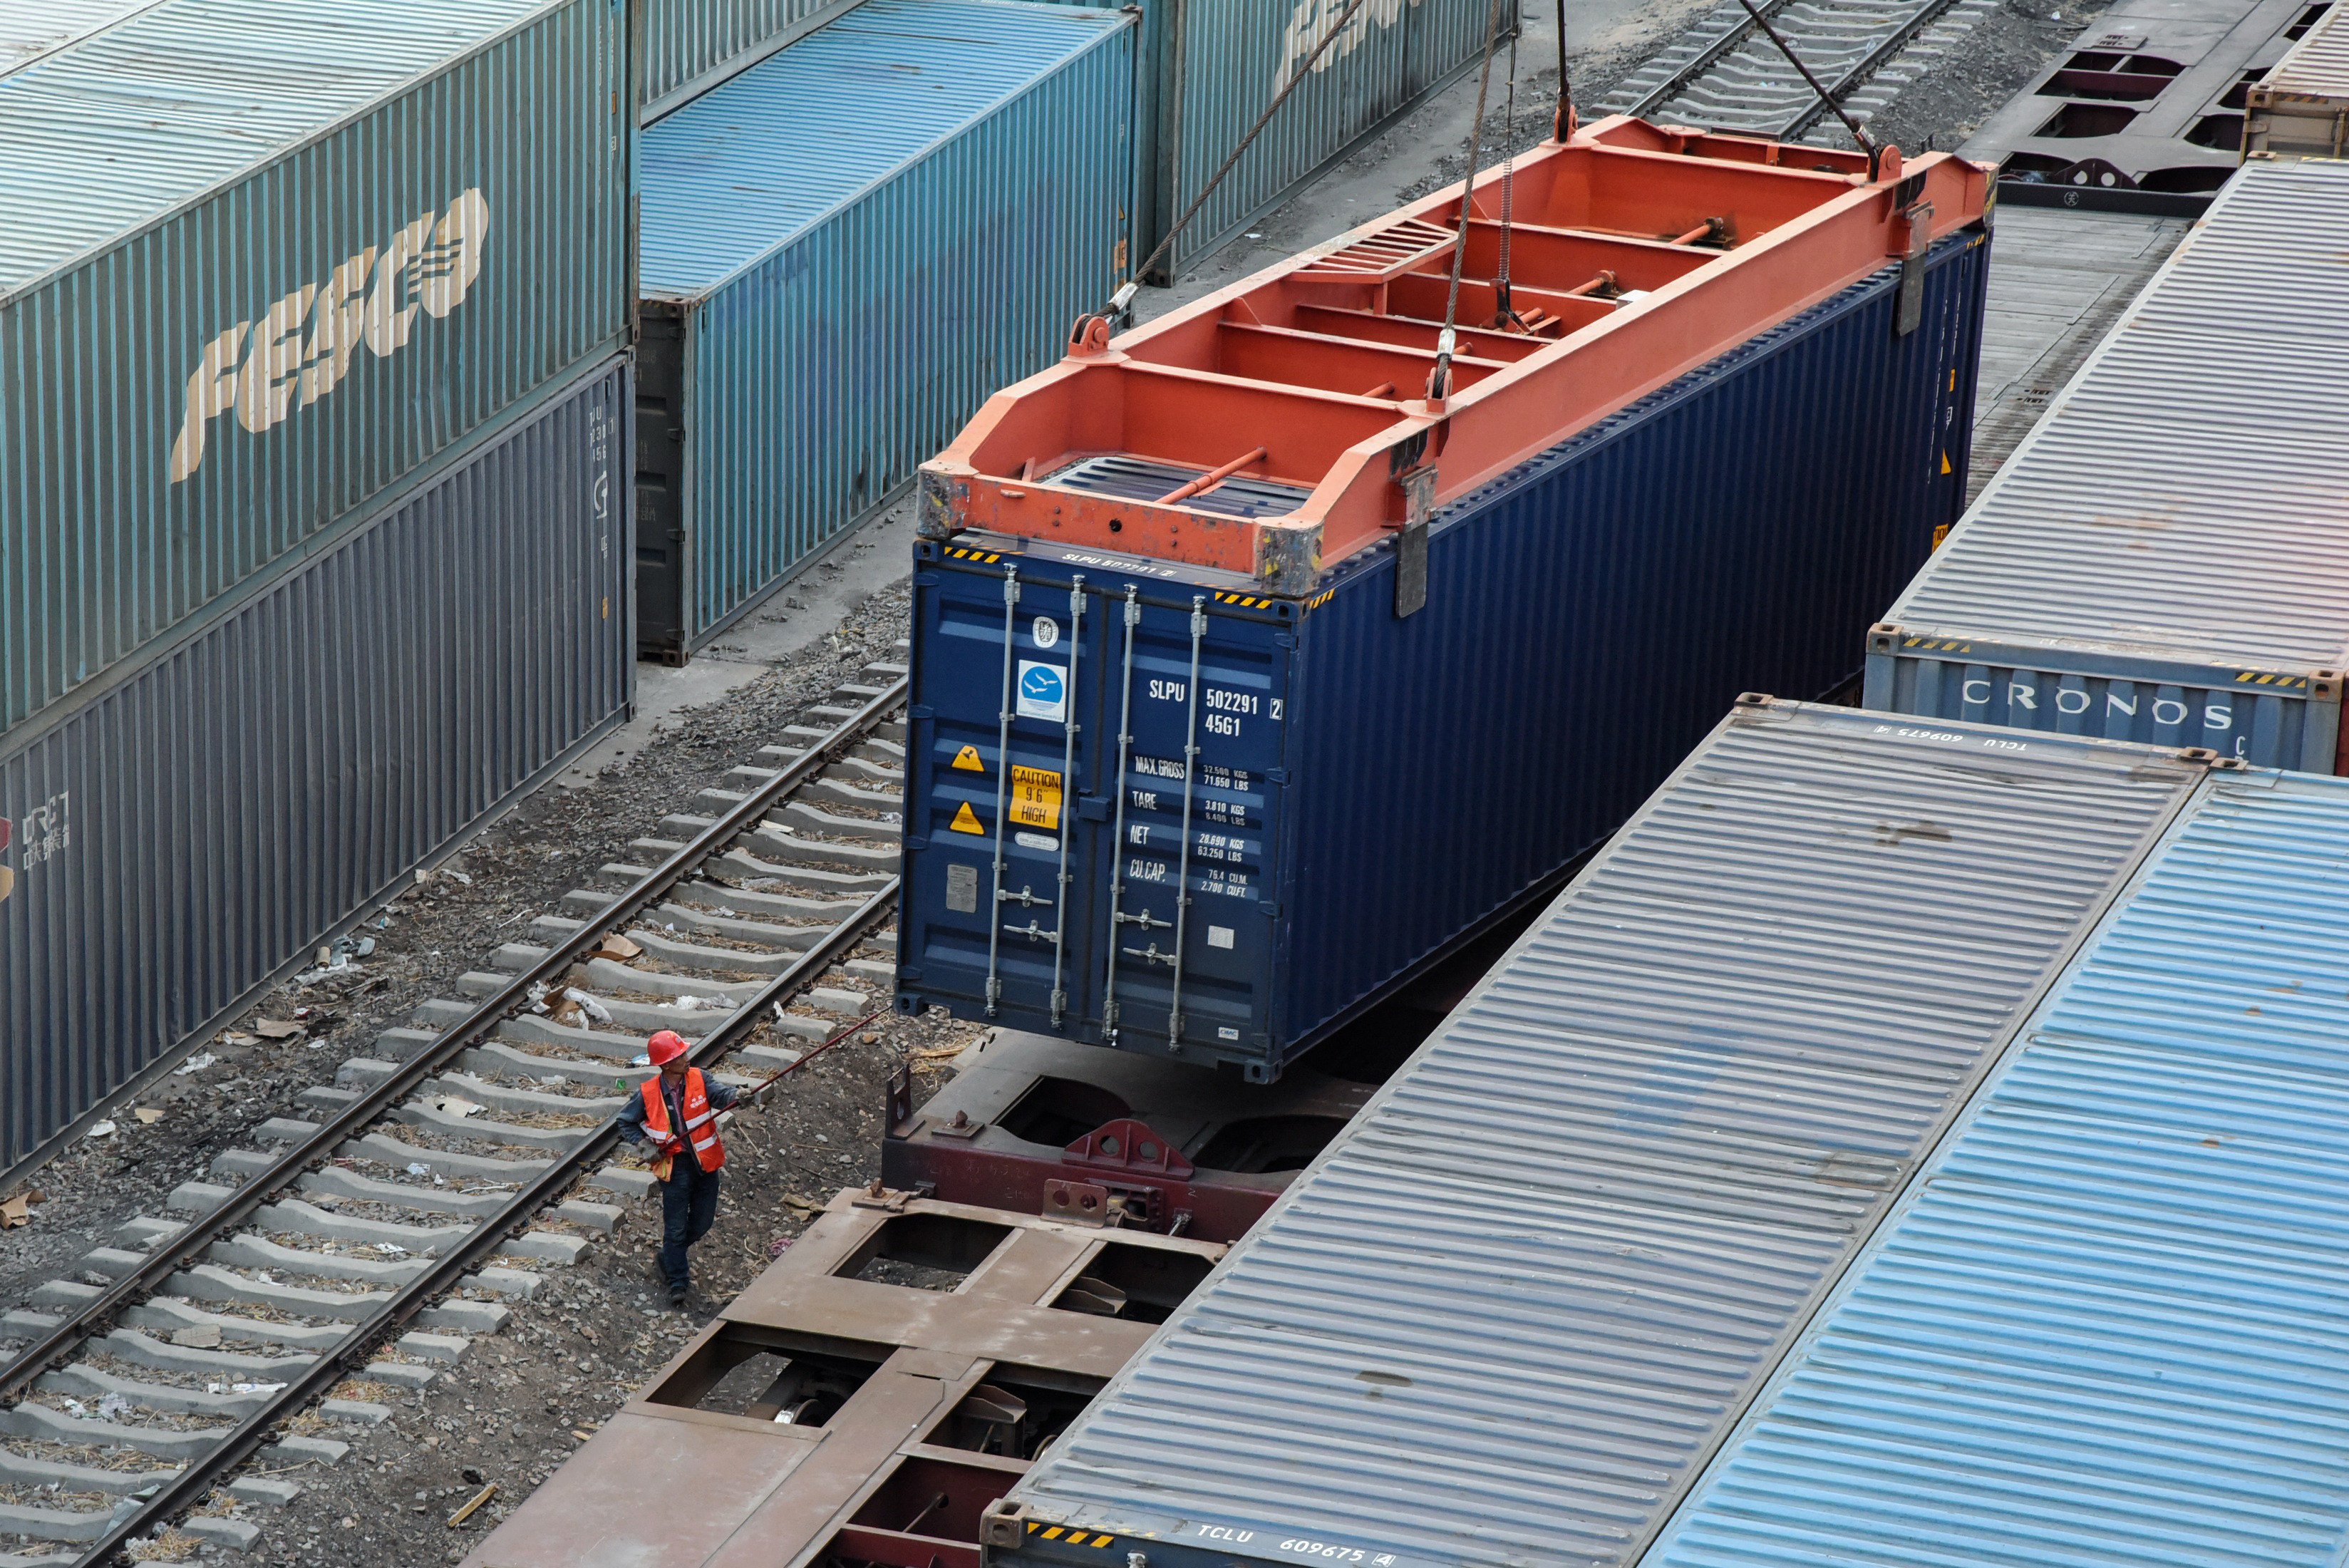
{"type": "Point", "coordinates": [2301, 108]}
{"type": "Point", "coordinates": [1217, 65]}
{"type": "Point", "coordinates": [847, 249]}
{"type": "Point", "coordinates": [232, 313]}
{"type": "Point", "coordinates": [1374, 790]}
{"type": "Point", "coordinates": [2107, 1323]}
{"type": "Point", "coordinates": [690, 46]}
{"type": "Point", "coordinates": [2162, 559]}
{"type": "Point", "coordinates": [172, 841]}
{"type": "Point", "coordinates": [1506, 1315]}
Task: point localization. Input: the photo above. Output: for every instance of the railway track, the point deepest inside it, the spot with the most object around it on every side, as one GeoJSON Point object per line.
{"type": "Point", "coordinates": [1725, 73]}
{"type": "Point", "coordinates": [449, 1168]}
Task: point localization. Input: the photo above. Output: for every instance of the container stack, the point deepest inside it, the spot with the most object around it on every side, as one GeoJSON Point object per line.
{"type": "Point", "coordinates": [863, 216]}
{"type": "Point", "coordinates": [314, 553]}
{"type": "Point", "coordinates": [1904, 1144]}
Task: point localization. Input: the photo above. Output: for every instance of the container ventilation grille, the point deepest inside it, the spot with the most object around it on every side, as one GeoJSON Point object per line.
{"type": "Point", "coordinates": [1389, 253]}
{"type": "Point", "coordinates": [1132, 478]}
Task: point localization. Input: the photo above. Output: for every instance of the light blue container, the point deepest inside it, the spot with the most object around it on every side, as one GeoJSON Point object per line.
{"type": "Point", "coordinates": [261, 262]}
{"type": "Point", "coordinates": [691, 46]}
{"type": "Point", "coordinates": [847, 249]}
{"type": "Point", "coordinates": [2108, 1322]}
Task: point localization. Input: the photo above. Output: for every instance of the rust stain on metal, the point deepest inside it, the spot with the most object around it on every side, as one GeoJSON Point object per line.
{"type": "Point", "coordinates": [868, 1398]}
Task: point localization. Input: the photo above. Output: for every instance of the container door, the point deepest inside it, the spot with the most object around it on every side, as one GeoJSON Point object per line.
{"type": "Point", "coordinates": [661, 488]}
{"type": "Point", "coordinates": [1006, 700]}
{"type": "Point", "coordinates": [1050, 789]}
{"type": "Point", "coordinates": [1187, 920]}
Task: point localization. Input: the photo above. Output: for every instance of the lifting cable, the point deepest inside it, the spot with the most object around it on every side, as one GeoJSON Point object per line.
{"type": "Point", "coordinates": [1439, 380]}
{"type": "Point", "coordinates": [1867, 143]}
{"type": "Point", "coordinates": [1503, 315]}
{"type": "Point", "coordinates": [1126, 291]}
{"type": "Point", "coordinates": [1563, 127]}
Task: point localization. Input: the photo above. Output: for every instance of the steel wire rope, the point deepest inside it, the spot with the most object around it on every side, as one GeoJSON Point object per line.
{"type": "Point", "coordinates": [1505, 311]}
{"type": "Point", "coordinates": [1439, 380]}
{"type": "Point", "coordinates": [1866, 142]}
{"type": "Point", "coordinates": [1126, 291]}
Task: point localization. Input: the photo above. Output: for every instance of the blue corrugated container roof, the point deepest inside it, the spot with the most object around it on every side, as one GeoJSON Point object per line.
{"type": "Point", "coordinates": [744, 168]}
{"type": "Point", "coordinates": [132, 113]}
{"type": "Point", "coordinates": [2109, 1322]}
{"type": "Point", "coordinates": [1506, 1315]}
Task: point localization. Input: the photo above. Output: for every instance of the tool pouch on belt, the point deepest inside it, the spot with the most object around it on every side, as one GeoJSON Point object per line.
{"type": "Point", "coordinates": [661, 1166]}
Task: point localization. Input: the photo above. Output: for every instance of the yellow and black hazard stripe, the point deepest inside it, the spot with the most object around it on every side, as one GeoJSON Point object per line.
{"type": "Point", "coordinates": [984, 558]}
{"type": "Point", "coordinates": [2281, 682]}
{"type": "Point", "coordinates": [1323, 598]}
{"type": "Point", "coordinates": [1067, 1536]}
{"type": "Point", "coordinates": [1246, 601]}
{"type": "Point", "coordinates": [1931, 645]}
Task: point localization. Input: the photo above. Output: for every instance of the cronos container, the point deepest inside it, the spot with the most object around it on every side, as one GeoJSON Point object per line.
{"type": "Point", "coordinates": [1160, 799]}
{"type": "Point", "coordinates": [210, 811]}
{"type": "Point", "coordinates": [691, 46]}
{"type": "Point", "coordinates": [845, 250]}
{"type": "Point", "coordinates": [2163, 558]}
{"type": "Point", "coordinates": [1505, 1314]}
{"type": "Point", "coordinates": [2104, 1323]}
{"type": "Point", "coordinates": [264, 261]}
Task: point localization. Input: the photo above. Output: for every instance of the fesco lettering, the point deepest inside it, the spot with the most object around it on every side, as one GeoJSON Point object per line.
{"type": "Point", "coordinates": [303, 344]}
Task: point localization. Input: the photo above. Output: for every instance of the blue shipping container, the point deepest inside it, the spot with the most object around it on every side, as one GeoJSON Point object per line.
{"type": "Point", "coordinates": [212, 809]}
{"type": "Point", "coordinates": [1373, 790]}
{"type": "Point", "coordinates": [2109, 1321]}
{"type": "Point", "coordinates": [1503, 1318]}
{"type": "Point", "coordinates": [847, 249]}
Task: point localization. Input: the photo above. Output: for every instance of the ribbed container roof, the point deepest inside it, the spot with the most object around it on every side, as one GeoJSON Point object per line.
{"type": "Point", "coordinates": [757, 160]}
{"type": "Point", "coordinates": [2107, 1325]}
{"type": "Point", "coordinates": [2318, 65]}
{"type": "Point", "coordinates": [34, 28]}
{"type": "Point", "coordinates": [1505, 1316]}
{"type": "Point", "coordinates": [127, 123]}
{"type": "Point", "coordinates": [2186, 495]}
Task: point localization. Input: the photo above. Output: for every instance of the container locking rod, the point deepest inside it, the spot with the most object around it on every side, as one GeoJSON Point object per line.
{"type": "Point", "coordinates": [1190, 784]}
{"type": "Point", "coordinates": [1002, 783]}
{"type": "Point", "coordinates": [1064, 826]}
{"type": "Point", "coordinates": [1117, 830]}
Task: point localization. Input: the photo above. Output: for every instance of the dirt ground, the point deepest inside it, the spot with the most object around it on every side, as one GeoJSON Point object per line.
{"type": "Point", "coordinates": [524, 1401]}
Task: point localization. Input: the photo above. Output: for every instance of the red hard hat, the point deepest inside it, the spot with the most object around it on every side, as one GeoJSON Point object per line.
{"type": "Point", "coordinates": [665, 1047]}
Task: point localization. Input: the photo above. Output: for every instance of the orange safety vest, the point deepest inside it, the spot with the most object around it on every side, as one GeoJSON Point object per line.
{"type": "Point", "coordinates": [700, 1121]}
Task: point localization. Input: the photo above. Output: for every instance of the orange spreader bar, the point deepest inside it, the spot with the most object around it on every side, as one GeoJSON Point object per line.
{"type": "Point", "coordinates": [1637, 254]}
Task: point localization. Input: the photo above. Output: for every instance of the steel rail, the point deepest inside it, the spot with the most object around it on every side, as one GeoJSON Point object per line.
{"type": "Point", "coordinates": [16, 1379]}
{"type": "Point", "coordinates": [197, 1476]}
{"type": "Point", "coordinates": [1874, 61]}
{"type": "Point", "coordinates": [1704, 60]}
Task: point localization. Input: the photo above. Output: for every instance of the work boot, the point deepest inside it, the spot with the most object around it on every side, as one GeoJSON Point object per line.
{"type": "Point", "coordinates": [677, 1297]}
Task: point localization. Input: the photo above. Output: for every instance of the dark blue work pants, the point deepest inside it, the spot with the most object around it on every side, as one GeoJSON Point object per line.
{"type": "Point", "coordinates": [688, 1206]}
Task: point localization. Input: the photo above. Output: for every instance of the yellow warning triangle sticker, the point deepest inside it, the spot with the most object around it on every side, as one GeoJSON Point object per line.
{"type": "Point", "coordinates": [1945, 468]}
{"type": "Point", "coordinates": [966, 821]}
{"type": "Point", "coordinates": [967, 758]}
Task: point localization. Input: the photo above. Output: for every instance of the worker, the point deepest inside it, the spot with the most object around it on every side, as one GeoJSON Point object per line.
{"type": "Point", "coordinates": [674, 1113]}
